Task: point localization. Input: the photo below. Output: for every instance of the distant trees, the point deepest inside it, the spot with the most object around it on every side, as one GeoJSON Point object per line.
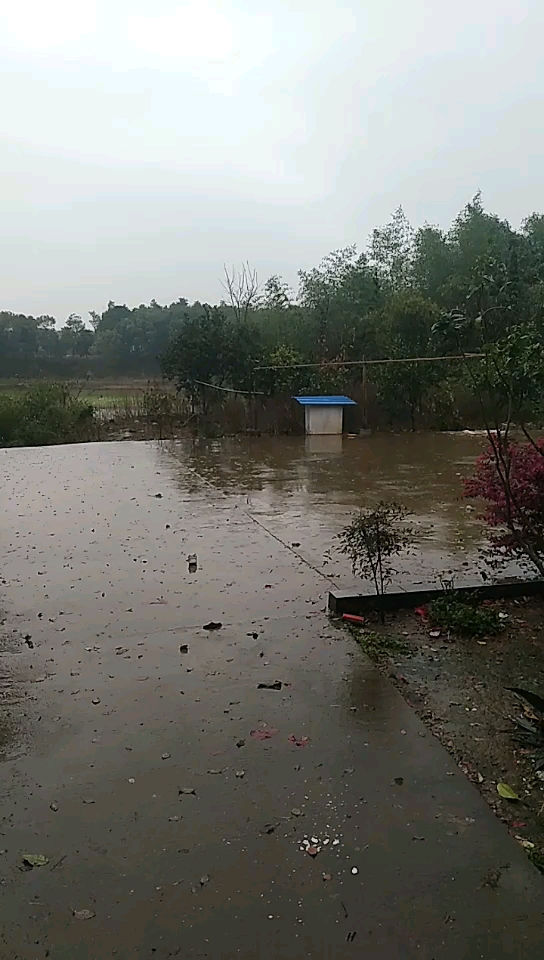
{"type": "Point", "coordinates": [425, 292]}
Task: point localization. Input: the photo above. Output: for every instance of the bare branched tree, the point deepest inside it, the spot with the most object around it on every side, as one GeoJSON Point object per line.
{"type": "Point", "coordinates": [242, 288]}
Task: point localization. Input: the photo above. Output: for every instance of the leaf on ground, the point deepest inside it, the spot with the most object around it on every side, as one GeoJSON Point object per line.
{"type": "Point", "coordinates": [298, 741]}
{"type": "Point", "coordinates": [84, 914]}
{"type": "Point", "coordinates": [506, 792]}
{"type": "Point", "coordinates": [35, 859]}
{"type": "Point", "coordinates": [264, 733]}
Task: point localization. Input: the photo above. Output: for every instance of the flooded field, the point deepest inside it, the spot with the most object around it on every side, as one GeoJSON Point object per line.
{"type": "Point", "coordinates": [304, 490]}
{"type": "Point", "coordinates": [195, 762]}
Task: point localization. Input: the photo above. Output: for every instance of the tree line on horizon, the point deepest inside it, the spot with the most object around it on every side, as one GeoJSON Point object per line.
{"type": "Point", "coordinates": [385, 302]}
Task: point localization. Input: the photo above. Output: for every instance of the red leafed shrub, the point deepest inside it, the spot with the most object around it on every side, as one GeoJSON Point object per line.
{"type": "Point", "coordinates": [511, 479]}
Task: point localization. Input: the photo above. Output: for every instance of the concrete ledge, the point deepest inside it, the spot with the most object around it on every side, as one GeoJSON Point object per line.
{"type": "Point", "coordinates": [346, 601]}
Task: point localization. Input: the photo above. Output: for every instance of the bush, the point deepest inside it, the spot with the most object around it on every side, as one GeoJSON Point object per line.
{"type": "Point", "coordinates": [44, 414]}
{"type": "Point", "coordinates": [466, 618]}
{"type": "Point", "coordinates": [510, 478]}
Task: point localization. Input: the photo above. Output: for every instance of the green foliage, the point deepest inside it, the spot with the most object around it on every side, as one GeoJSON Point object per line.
{"type": "Point", "coordinates": [45, 414]}
{"type": "Point", "coordinates": [373, 538]}
{"type": "Point", "coordinates": [466, 618]}
{"type": "Point", "coordinates": [477, 287]}
{"type": "Point", "coordinates": [211, 349]}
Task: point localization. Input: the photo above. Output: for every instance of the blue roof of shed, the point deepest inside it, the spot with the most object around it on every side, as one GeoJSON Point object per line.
{"type": "Point", "coordinates": [325, 401]}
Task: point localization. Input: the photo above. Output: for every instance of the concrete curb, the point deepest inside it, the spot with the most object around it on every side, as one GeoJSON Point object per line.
{"type": "Point", "coordinates": [346, 601]}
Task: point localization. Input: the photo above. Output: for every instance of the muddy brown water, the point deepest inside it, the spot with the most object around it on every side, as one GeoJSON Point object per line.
{"type": "Point", "coordinates": [105, 721]}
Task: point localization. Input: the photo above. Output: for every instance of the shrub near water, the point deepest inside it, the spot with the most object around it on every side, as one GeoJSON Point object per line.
{"type": "Point", "coordinates": [45, 414]}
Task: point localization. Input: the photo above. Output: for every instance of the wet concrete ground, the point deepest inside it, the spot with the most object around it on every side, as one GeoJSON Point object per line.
{"type": "Point", "coordinates": [106, 721]}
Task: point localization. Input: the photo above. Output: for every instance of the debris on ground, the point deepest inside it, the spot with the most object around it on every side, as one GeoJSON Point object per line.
{"type": "Point", "coordinates": [296, 812]}
{"type": "Point", "coordinates": [83, 914]}
{"type": "Point", "coordinates": [527, 844]}
{"type": "Point", "coordinates": [54, 806]}
{"type": "Point", "coordinates": [212, 625]}
{"type": "Point", "coordinates": [354, 619]}
{"type": "Point", "coordinates": [215, 771]}
{"type": "Point", "coordinates": [422, 612]}
{"type": "Point", "coordinates": [263, 733]}
{"type": "Point", "coordinates": [166, 756]}
{"type": "Point", "coordinates": [31, 860]}
{"type": "Point", "coordinates": [298, 741]}
{"type": "Point", "coordinates": [240, 743]}
{"type": "Point", "coordinates": [192, 562]}
{"type": "Point", "coordinates": [270, 686]}
{"type": "Point", "coordinates": [204, 880]}
{"type": "Point", "coordinates": [184, 648]}
{"type": "Point", "coordinates": [240, 774]}
{"type": "Point", "coordinates": [186, 791]}
{"type": "Point", "coordinates": [327, 876]}
{"type": "Point", "coordinates": [355, 871]}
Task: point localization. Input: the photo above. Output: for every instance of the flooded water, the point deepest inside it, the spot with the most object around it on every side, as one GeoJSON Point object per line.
{"type": "Point", "coordinates": [173, 777]}
{"type": "Point", "coordinates": [304, 490]}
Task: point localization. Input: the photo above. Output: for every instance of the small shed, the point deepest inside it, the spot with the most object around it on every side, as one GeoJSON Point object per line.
{"type": "Point", "coordinates": [324, 415]}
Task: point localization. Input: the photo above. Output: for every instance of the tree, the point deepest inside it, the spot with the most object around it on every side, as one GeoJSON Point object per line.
{"type": "Point", "coordinates": [508, 381]}
{"type": "Point", "coordinates": [210, 349]}
{"type": "Point", "coordinates": [405, 332]}
{"type": "Point", "coordinates": [372, 539]}
{"type": "Point", "coordinates": [75, 339]}
{"type": "Point", "coordinates": [514, 493]}
{"type": "Point", "coordinates": [339, 298]}
{"type": "Point", "coordinates": [391, 251]}
{"type": "Point", "coordinates": [242, 288]}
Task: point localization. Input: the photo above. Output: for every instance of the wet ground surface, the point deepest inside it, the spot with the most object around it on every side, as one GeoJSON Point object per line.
{"type": "Point", "coordinates": [108, 726]}
{"type": "Point", "coordinates": [460, 686]}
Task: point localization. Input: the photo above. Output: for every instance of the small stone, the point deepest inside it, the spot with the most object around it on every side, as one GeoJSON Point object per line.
{"type": "Point", "coordinates": [84, 914]}
{"type": "Point", "coordinates": [54, 806]}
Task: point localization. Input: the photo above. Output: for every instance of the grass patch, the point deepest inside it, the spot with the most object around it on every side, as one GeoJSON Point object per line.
{"type": "Point", "coordinates": [465, 618]}
{"type": "Point", "coordinates": [380, 644]}
{"type": "Point", "coordinates": [44, 414]}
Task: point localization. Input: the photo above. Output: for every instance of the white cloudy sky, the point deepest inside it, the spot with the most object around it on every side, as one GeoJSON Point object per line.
{"type": "Point", "coordinates": [144, 143]}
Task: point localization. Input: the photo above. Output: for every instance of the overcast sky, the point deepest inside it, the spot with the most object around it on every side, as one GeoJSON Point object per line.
{"type": "Point", "coordinates": [145, 142]}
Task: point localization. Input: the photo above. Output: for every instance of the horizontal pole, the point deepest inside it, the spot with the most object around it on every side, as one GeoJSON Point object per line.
{"type": "Point", "coordinates": [367, 363]}
{"type": "Point", "coordinates": [249, 393]}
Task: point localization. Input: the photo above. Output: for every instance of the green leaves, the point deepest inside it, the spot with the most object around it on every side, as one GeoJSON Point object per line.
{"type": "Point", "coordinates": [373, 538]}
{"type": "Point", "coordinates": [506, 792]}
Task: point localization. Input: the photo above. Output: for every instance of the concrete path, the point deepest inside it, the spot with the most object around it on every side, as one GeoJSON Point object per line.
{"type": "Point", "coordinates": [105, 721]}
